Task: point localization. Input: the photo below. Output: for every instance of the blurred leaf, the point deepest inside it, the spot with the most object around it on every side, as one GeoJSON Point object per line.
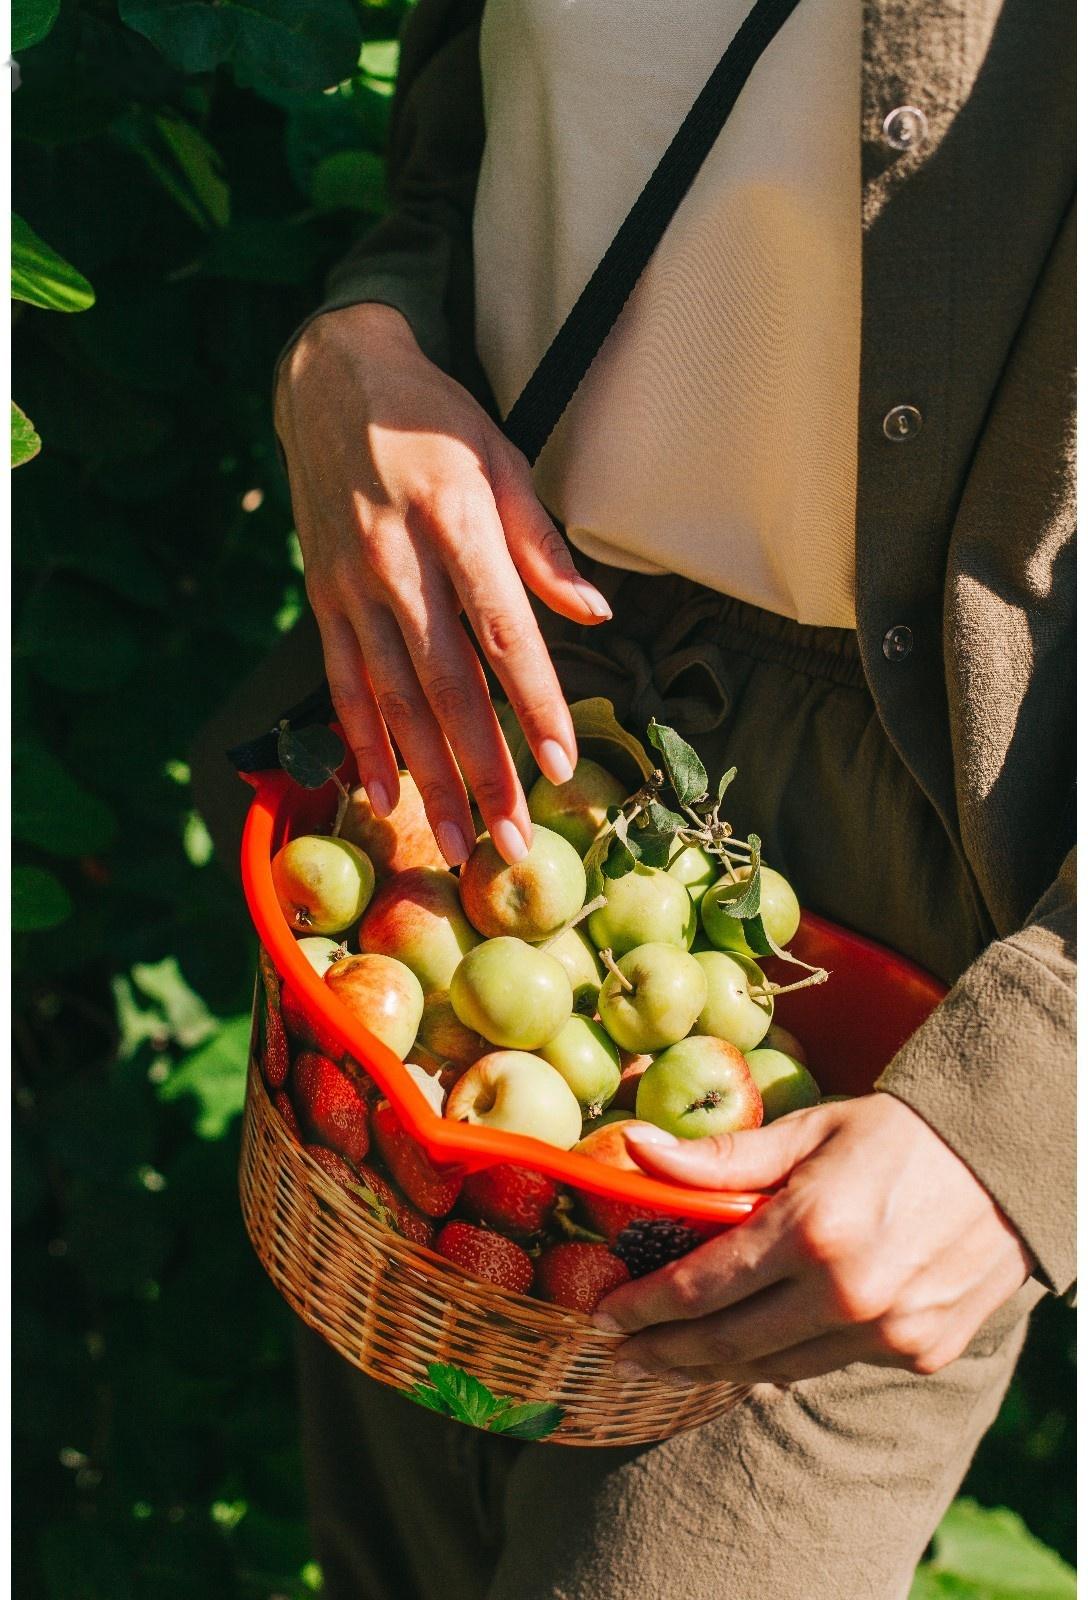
{"type": "Point", "coordinates": [43, 278]}
{"type": "Point", "coordinates": [350, 179]}
{"type": "Point", "coordinates": [25, 443]}
{"type": "Point", "coordinates": [188, 167]}
{"type": "Point", "coordinates": [50, 809]}
{"type": "Point", "coordinates": [187, 1018]}
{"type": "Point", "coordinates": [76, 639]}
{"type": "Point", "coordinates": [379, 58]}
{"type": "Point", "coordinates": [38, 900]}
{"type": "Point", "coordinates": [31, 20]}
{"type": "Point", "coordinates": [215, 1077]}
{"type": "Point", "coordinates": [263, 250]}
{"type": "Point", "coordinates": [281, 44]}
{"type": "Point", "coordinates": [992, 1554]}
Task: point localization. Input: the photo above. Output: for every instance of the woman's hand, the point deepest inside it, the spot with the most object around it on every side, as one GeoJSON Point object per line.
{"type": "Point", "coordinates": [411, 506]}
{"type": "Point", "coordinates": [880, 1246]}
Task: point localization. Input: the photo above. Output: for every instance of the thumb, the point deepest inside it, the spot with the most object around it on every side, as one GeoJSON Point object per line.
{"type": "Point", "coordinates": [757, 1158]}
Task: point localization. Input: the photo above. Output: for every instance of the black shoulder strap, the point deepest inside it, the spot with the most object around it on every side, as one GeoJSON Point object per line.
{"type": "Point", "coordinates": [568, 358]}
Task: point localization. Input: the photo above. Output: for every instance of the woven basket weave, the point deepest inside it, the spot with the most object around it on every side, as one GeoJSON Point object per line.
{"type": "Point", "coordinates": [392, 1308]}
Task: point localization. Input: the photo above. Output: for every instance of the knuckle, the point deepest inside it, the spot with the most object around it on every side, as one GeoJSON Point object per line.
{"type": "Point", "coordinates": [397, 708]}
{"type": "Point", "coordinates": [858, 1294]}
{"type": "Point", "coordinates": [502, 634]}
{"type": "Point", "coordinates": [686, 1293]}
{"type": "Point", "coordinates": [491, 794]}
{"type": "Point", "coordinates": [927, 1361]}
{"type": "Point", "coordinates": [825, 1233]}
{"type": "Point", "coordinates": [436, 797]}
{"type": "Point", "coordinates": [449, 695]}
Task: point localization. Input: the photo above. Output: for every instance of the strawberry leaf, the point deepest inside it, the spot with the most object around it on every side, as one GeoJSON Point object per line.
{"type": "Point", "coordinates": [467, 1398]}
{"type": "Point", "coordinates": [682, 766]}
{"type": "Point", "coordinates": [311, 756]}
{"type": "Point", "coordinates": [536, 1419]}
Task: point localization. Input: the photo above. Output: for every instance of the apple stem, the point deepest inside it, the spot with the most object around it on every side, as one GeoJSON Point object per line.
{"type": "Point", "coordinates": [579, 916]}
{"type": "Point", "coordinates": [768, 990]}
{"type": "Point", "coordinates": [609, 963]}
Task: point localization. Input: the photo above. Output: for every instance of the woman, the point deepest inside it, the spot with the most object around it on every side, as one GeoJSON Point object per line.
{"type": "Point", "coordinates": [818, 489]}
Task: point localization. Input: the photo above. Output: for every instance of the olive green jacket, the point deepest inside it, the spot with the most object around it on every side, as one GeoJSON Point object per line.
{"type": "Point", "coordinates": [964, 504]}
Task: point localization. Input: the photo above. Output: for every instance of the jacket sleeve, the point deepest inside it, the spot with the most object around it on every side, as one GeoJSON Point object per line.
{"type": "Point", "coordinates": [993, 1071]}
{"type": "Point", "coordinates": [418, 258]}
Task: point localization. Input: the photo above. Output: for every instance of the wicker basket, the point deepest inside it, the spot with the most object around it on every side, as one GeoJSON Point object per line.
{"type": "Point", "coordinates": [394, 1309]}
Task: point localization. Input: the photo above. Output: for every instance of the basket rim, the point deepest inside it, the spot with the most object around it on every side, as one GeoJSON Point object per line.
{"type": "Point", "coordinates": [448, 1143]}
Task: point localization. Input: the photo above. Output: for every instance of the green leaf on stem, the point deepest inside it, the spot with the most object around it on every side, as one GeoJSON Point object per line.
{"type": "Point", "coordinates": [745, 905]}
{"type": "Point", "coordinates": [25, 442]}
{"type": "Point", "coordinates": [41, 277]}
{"type": "Point", "coordinates": [311, 756]}
{"type": "Point", "coordinates": [457, 1394]}
{"type": "Point", "coordinates": [682, 766]}
{"type": "Point", "coordinates": [618, 861]}
{"type": "Point", "coordinates": [724, 782]}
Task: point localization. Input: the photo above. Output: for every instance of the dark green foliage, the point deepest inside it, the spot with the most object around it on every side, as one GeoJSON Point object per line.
{"type": "Point", "coordinates": [198, 166]}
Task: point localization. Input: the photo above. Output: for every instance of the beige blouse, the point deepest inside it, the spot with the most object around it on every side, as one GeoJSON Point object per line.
{"type": "Point", "coordinates": [716, 433]}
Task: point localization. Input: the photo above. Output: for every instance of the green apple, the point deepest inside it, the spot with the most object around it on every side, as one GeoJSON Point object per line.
{"type": "Point", "coordinates": [585, 1056]}
{"type": "Point", "coordinates": [321, 953]}
{"type": "Point", "coordinates": [784, 1084]}
{"type": "Point", "coordinates": [531, 899]}
{"type": "Point", "coordinates": [644, 905]}
{"type": "Point", "coordinates": [695, 869]}
{"type": "Point", "coordinates": [323, 885]}
{"type": "Point", "coordinates": [577, 956]}
{"type": "Point", "coordinates": [416, 917]}
{"type": "Point", "coordinates": [519, 1093]}
{"type": "Point", "coordinates": [577, 809]}
{"type": "Point", "coordinates": [383, 994]}
{"type": "Point", "coordinates": [662, 991]}
{"type": "Point", "coordinates": [731, 1012]}
{"type": "Point", "coordinates": [779, 1038]}
{"type": "Point", "coordinates": [699, 1087]}
{"type": "Point", "coordinates": [513, 994]}
{"type": "Point", "coordinates": [778, 907]}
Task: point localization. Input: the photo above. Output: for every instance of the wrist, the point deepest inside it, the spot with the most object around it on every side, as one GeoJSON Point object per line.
{"type": "Point", "coordinates": [369, 326]}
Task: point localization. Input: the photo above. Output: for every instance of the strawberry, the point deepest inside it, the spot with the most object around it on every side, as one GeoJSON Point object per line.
{"type": "Point", "coordinates": [430, 1191]}
{"type": "Point", "coordinates": [329, 1106]}
{"type": "Point", "coordinates": [486, 1255]}
{"type": "Point", "coordinates": [515, 1200]}
{"type": "Point", "coordinates": [335, 1166]}
{"type": "Point", "coordinates": [308, 1030]}
{"type": "Point", "coordinates": [275, 1056]}
{"type": "Point", "coordinates": [282, 1102]}
{"type": "Point", "coordinates": [392, 1208]}
{"type": "Point", "coordinates": [609, 1217]}
{"type": "Point", "coordinates": [578, 1275]}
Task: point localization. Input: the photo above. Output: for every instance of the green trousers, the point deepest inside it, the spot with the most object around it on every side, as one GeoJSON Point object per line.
{"type": "Point", "coordinates": [829, 1490]}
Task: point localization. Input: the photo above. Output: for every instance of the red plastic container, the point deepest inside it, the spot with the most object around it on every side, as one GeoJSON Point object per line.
{"type": "Point", "coordinates": [851, 1026]}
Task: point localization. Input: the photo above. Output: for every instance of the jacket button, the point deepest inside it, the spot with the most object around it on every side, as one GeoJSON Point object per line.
{"type": "Point", "coordinates": [905, 128]}
{"type": "Point", "coordinates": [901, 423]}
{"type": "Point", "coordinates": [898, 642]}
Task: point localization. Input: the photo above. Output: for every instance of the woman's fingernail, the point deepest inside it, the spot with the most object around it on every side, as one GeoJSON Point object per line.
{"type": "Point", "coordinates": [593, 600]}
{"type": "Point", "coordinates": [649, 1136]}
{"type": "Point", "coordinates": [378, 795]}
{"type": "Point", "coordinates": [508, 841]}
{"type": "Point", "coordinates": [629, 1370]}
{"type": "Point", "coordinates": [452, 843]}
{"type": "Point", "coordinates": [607, 1324]}
{"type": "Point", "coordinates": [554, 761]}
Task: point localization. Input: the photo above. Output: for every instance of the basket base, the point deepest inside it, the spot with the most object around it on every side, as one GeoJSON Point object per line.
{"type": "Point", "coordinates": [404, 1315]}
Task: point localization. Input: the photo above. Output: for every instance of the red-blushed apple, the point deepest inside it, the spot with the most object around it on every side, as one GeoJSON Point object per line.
{"type": "Point", "coordinates": [695, 869]}
{"type": "Point", "coordinates": [417, 918]}
{"type": "Point", "coordinates": [602, 1213]}
{"type": "Point", "coordinates": [574, 952]}
{"type": "Point", "coordinates": [515, 995]}
{"type": "Point", "coordinates": [321, 953]}
{"type": "Point", "coordinates": [518, 1093]}
{"type": "Point", "coordinates": [779, 1038]}
{"type": "Point", "coordinates": [531, 899]}
{"type": "Point", "coordinates": [323, 885]}
{"type": "Point", "coordinates": [783, 1083]}
{"type": "Point", "coordinates": [654, 997]}
{"type": "Point", "coordinates": [697, 1088]}
{"type": "Point", "coordinates": [778, 906]}
{"type": "Point", "coordinates": [444, 1036]}
{"type": "Point", "coordinates": [731, 1011]}
{"type": "Point", "coordinates": [383, 994]}
{"type": "Point", "coordinates": [584, 1055]}
{"type": "Point", "coordinates": [632, 1067]}
{"type": "Point", "coordinates": [644, 905]}
{"type": "Point", "coordinates": [577, 809]}
{"type": "Point", "coordinates": [397, 842]}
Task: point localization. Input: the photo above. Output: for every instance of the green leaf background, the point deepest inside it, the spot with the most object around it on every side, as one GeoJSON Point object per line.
{"type": "Point", "coordinates": [185, 174]}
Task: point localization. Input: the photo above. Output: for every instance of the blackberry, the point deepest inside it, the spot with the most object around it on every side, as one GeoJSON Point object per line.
{"type": "Point", "coordinates": [651, 1242]}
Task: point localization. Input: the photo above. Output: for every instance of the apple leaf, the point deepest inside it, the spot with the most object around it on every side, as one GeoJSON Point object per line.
{"type": "Point", "coordinates": [619, 860]}
{"type": "Point", "coordinates": [724, 782]}
{"type": "Point", "coordinates": [682, 766]}
{"type": "Point", "coordinates": [311, 756]}
{"type": "Point", "coordinates": [25, 442]}
{"type": "Point", "coordinates": [756, 935]}
{"type": "Point", "coordinates": [41, 277]}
